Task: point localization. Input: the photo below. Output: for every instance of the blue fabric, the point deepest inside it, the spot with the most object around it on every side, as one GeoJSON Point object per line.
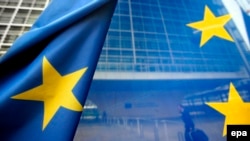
{"type": "Point", "coordinates": [70, 34]}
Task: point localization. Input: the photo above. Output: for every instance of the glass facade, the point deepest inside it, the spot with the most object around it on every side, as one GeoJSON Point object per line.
{"type": "Point", "coordinates": [152, 36]}
{"type": "Point", "coordinates": [16, 17]}
{"type": "Point", "coordinates": [148, 36]}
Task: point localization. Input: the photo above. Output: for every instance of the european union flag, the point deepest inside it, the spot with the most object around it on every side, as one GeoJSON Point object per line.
{"type": "Point", "coordinates": [46, 74]}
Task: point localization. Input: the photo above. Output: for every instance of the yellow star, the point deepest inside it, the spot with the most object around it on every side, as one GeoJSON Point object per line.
{"type": "Point", "coordinates": [212, 26]}
{"type": "Point", "coordinates": [55, 92]}
{"type": "Point", "coordinates": [236, 111]}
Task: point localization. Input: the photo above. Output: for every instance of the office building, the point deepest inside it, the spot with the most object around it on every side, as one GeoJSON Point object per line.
{"type": "Point", "coordinates": [16, 17]}
{"type": "Point", "coordinates": [149, 46]}
{"type": "Point", "coordinates": [150, 54]}
{"type": "Point", "coordinates": [150, 40]}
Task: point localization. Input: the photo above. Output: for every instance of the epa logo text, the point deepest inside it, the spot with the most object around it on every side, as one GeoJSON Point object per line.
{"type": "Point", "coordinates": [238, 133]}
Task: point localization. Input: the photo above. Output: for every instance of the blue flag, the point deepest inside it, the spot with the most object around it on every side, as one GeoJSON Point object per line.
{"type": "Point", "coordinates": [45, 76]}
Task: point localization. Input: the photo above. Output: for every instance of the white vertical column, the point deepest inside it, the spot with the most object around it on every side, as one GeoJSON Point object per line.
{"type": "Point", "coordinates": [235, 11]}
{"type": "Point", "coordinates": [132, 31]}
{"type": "Point", "coordinates": [138, 126]}
{"type": "Point", "coordinates": [165, 130]}
{"type": "Point", "coordinates": [46, 3]}
{"type": "Point", "coordinates": [166, 34]}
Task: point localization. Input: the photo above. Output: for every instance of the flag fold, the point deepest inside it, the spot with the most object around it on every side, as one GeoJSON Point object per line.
{"type": "Point", "coordinates": [45, 76]}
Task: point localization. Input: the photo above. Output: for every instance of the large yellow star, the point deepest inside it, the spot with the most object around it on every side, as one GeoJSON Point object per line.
{"type": "Point", "coordinates": [212, 26]}
{"type": "Point", "coordinates": [236, 111]}
{"type": "Point", "coordinates": [55, 92]}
